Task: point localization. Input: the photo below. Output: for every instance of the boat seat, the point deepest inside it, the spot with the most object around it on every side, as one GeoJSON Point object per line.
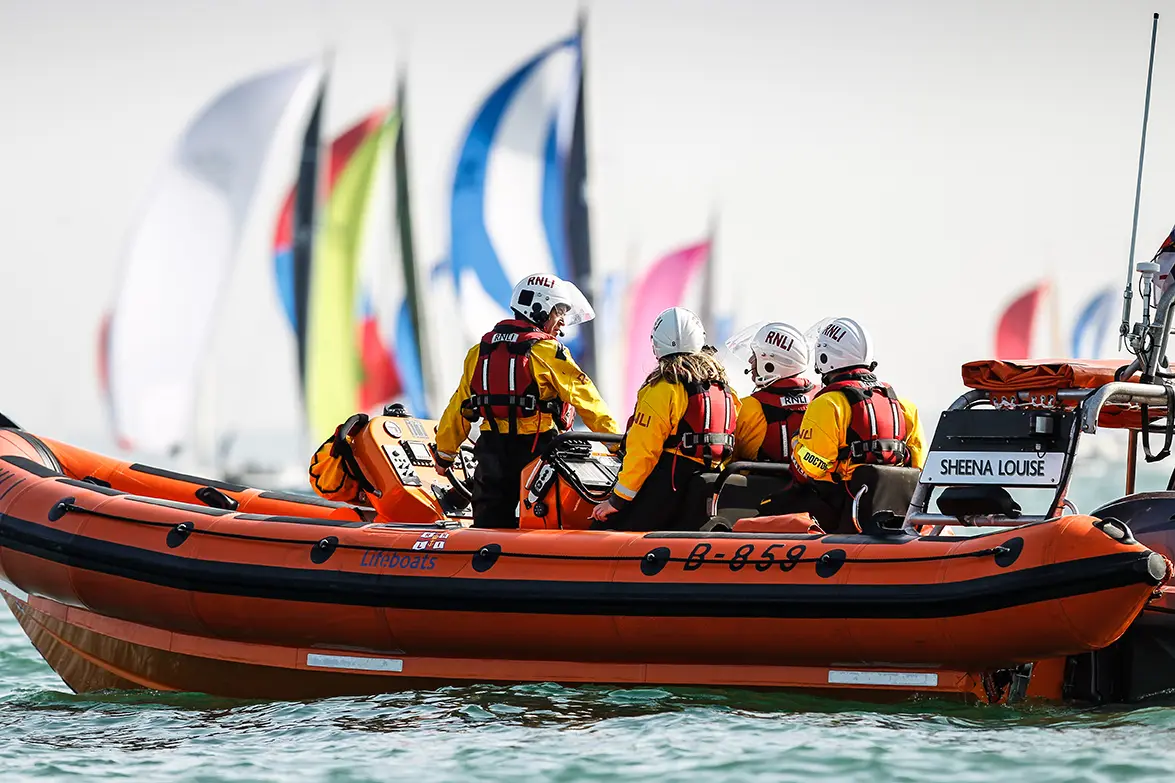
{"type": "Point", "coordinates": [888, 498]}
{"type": "Point", "coordinates": [741, 496]}
{"type": "Point", "coordinates": [980, 500]}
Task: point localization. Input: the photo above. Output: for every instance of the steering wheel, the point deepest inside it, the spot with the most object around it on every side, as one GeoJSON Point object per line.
{"type": "Point", "coordinates": [467, 463]}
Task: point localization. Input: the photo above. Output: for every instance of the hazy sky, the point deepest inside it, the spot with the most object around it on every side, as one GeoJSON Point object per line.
{"type": "Point", "coordinates": [913, 164]}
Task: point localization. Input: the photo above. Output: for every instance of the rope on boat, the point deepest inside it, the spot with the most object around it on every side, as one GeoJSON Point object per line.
{"type": "Point", "coordinates": [189, 528]}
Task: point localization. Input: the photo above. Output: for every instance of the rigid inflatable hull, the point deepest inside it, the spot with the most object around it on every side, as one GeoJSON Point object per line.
{"type": "Point", "coordinates": [132, 585]}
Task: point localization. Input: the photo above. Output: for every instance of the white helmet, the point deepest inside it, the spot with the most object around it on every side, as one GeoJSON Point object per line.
{"type": "Point", "coordinates": [843, 343]}
{"type": "Point", "coordinates": [677, 330]}
{"type": "Point", "coordinates": [536, 296]}
{"type": "Point", "coordinates": [778, 350]}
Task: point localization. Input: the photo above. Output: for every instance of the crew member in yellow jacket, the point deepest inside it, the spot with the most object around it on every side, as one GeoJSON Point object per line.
{"type": "Point", "coordinates": [772, 413]}
{"type": "Point", "coordinates": [855, 419]}
{"type": "Point", "coordinates": [524, 386]}
{"type": "Point", "coordinates": [683, 423]}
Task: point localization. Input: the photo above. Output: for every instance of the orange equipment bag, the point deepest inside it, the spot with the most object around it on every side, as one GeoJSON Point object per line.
{"type": "Point", "coordinates": [334, 473]}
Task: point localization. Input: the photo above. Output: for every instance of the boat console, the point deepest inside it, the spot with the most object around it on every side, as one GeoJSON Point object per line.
{"type": "Point", "coordinates": [562, 486]}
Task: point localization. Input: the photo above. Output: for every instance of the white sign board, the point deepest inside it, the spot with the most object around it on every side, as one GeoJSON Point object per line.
{"type": "Point", "coordinates": [994, 467]}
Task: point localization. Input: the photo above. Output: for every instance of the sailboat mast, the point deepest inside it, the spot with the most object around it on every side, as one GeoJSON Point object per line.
{"type": "Point", "coordinates": [306, 192]}
{"type": "Point", "coordinates": [403, 219]}
{"type": "Point", "coordinates": [575, 198]}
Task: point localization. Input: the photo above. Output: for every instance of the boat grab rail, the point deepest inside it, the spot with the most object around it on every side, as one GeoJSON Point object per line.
{"type": "Point", "coordinates": [979, 520]}
{"type": "Point", "coordinates": [1091, 400]}
{"type": "Point", "coordinates": [1120, 393]}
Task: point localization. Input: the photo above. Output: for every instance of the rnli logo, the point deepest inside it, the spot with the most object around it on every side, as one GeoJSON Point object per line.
{"type": "Point", "coordinates": [833, 332]}
{"type": "Point", "coordinates": [430, 540]}
{"type": "Point", "coordinates": [545, 282]}
{"type": "Point", "coordinates": [504, 338]}
{"type": "Point", "coordinates": [782, 341]}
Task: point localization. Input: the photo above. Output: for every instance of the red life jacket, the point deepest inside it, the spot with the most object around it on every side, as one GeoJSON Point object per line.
{"type": "Point", "coordinates": [503, 384]}
{"type": "Point", "coordinates": [706, 431]}
{"type": "Point", "coordinates": [876, 433]}
{"type": "Point", "coordinates": [784, 403]}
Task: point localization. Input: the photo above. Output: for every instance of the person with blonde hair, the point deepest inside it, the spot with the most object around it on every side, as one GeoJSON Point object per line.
{"type": "Point", "coordinates": [683, 424]}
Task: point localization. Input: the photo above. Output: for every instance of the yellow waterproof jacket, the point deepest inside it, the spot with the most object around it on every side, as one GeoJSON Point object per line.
{"type": "Point", "coordinates": [658, 412]}
{"type": "Point", "coordinates": [750, 430]}
{"type": "Point", "coordinates": [822, 435]}
{"type": "Point", "coordinates": [556, 374]}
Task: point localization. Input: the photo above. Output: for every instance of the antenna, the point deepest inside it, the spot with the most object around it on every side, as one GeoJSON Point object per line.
{"type": "Point", "coordinates": [1128, 293]}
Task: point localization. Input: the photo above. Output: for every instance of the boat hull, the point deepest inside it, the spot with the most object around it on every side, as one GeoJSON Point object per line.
{"type": "Point", "coordinates": [116, 588]}
{"type": "Point", "coordinates": [95, 653]}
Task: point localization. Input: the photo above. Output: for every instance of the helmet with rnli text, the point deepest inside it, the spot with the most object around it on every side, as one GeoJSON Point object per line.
{"type": "Point", "coordinates": [536, 297]}
{"type": "Point", "coordinates": [677, 330]}
{"type": "Point", "coordinates": [778, 350]}
{"type": "Point", "coordinates": [841, 344]}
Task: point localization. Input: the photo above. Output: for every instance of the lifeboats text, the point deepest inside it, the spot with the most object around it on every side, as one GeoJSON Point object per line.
{"type": "Point", "coordinates": [374, 558]}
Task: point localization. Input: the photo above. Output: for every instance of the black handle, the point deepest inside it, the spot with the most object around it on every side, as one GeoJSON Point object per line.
{"type": "Point", "coordinates": [563, 437]}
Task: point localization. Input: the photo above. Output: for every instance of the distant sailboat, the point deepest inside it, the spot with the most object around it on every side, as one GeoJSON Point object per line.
{"type": "Point", "coordinates": [1017, 325]}
{"type": "Point", "coordinates": [1094, 325]}
{"type": "Point", "coordinates": [518, 193]}
{"type": "Point", "coordinates": [679, 278]}
{"type": "Point", "coordinates": [181, 255]}
{"type": "Point", "coordinates": [352, 307]}
{"type": "Point", "coordinates": [1022, 333]}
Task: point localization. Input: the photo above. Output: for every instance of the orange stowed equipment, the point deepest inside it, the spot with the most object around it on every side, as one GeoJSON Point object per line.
{"type": "Point", "coordinates": [371, 461]}
{"type": "Point", "coordinates": [334, 474]}
{"type": "Point", "coordinates": [551, 500]}
{"type": "Point", "coordinates": [780, 523]}
{"type": "Point", "coordinates": [1039, 381]}
{"type": "Point", "coordinates": [399, 468]}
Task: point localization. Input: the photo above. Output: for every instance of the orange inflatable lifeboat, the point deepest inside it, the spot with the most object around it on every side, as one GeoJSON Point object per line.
{"type": "Point", "coordinates": [128, 576]}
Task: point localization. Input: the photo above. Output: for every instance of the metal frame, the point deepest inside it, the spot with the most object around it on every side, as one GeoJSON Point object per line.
{"type": "Point", "coordinates": [1090, 405]}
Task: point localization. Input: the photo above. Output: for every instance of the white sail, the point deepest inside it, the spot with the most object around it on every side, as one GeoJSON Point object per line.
{"type": "Point", "coordinates": [181, 252]}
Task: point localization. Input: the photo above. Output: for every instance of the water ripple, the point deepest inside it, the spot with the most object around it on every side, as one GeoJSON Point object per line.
{"type": "Point", "coordinates": [551, 732]}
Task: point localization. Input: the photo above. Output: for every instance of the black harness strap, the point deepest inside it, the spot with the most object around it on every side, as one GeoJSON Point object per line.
{"type": "Point", "coordinates": [1168, 428]}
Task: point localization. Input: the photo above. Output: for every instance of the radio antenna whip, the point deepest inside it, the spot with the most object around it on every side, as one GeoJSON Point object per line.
{"type": "Point", "coordinates": [1128, 294]}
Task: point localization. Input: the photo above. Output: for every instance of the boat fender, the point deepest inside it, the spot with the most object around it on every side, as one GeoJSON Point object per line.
{"type": "Point", "coordinates": [179, 534]}
{"type": "Point", "coordinates": [324, 549]}
{"type": "Point", "coordinates": [1156, 567]}
{"type": "Point", "coordinates": [486, 557]}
